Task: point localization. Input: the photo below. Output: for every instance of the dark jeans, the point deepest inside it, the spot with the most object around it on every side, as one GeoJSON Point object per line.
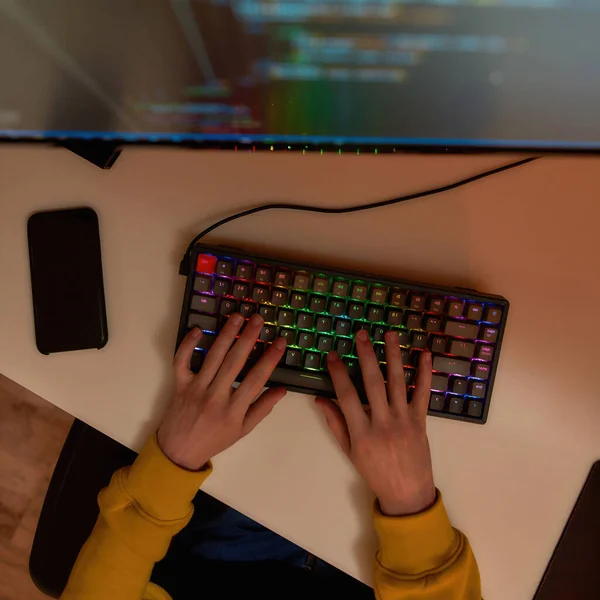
{"type": "Point", "coordinates": [224, 554]}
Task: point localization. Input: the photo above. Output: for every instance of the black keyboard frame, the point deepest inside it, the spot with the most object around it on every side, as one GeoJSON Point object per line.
{"type": "Point", "coordinates": [460, 292]}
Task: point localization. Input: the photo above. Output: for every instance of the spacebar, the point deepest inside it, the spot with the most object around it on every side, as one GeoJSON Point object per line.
{"type": "Point", "coordinates": [316, 381]}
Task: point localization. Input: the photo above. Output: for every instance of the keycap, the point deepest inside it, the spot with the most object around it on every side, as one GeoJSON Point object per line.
{"type": "Point", "coordinates": [293, 358]}
{"type": "Point", "coordinates": [244, 271]}
{"type": "Point", "coordinates": [394, 317]}
{"type": "Point", "coordinates": [378, 333]}
{"type": "Point", "coordinates": [417, 301]}
{"type": "Point", "coordinates": [439, 383]}
{"type": "Point", "coordinates": [255, 354]}
{"type": "Point", "coordinates": [359, 291]}
{"type": "Point", "coordinates": [343, 346]}
{"type": "Point", "coordinates": [436, 305]}
{"type": "Point", "coordinates": [340, 288]}
{"type": "Point", "coordinates": [264, 275]}
{"type": "Point", "coordinates": [455, 406]}
{"type": "Point", "coordinates": [202, 284]}
{"type": "Point", "coordinates": [403, 337]}
{"type": "Point", "coordinates": [279, 297]}
{"type": "Point", "coordinates": [343, 327]}
{"type": "Point", "coordinates": [197, 360]}
{"type": "Point", "coordinates": [474, 312]}
{"type": "Point", "coordinates": [464, 349]}
{"type": "Point", "coordinates": [283, 278]}
{"type": "Point", "coordinates": [452, 366]}
{"type": "Point", "coordinates": [379, 294]}
{"type": "Point", "coordinates": [225, 267]}
{"type": "Point", "coordinates": [436, 402]}
{"type": "Point", "coordinates": [379, 352]}
{"type": "Point", "coordinates": [222, 286]}
{"type": "Point", "coordinates": [312, 360]}
{"type": "Point", "coordinates": [240, 290]}
{"type": "Point", "coordinates": [205, 342]}
{"type": "Point", "coordinates": [206, 263]}
{"type": "Point", "coordinates": [247, 309]}
{"type": "Point", "coordinates": [228, 307]}
{"type": "Point", "coordinates": [260, 293]}
{"type": "Point", "coordinates": [475, 408]}
{"type": "Point", "coordinates": [336, 307]}
{"type": "Point", "coordinates": [305, 320]}
{"type": "Point", "coordinates": [206, 304]}
{"type": "Point", "coordinates": [301, 281]}
{"type": "Point", "coordinates": [398, 298]}
{"type": "Point", "coordinates": [352, 366]}
{"type": "Point", "coordinates": [267, 313]}
{"type": "Point", "coordinates": [484, 352]}
{"type": "Point", "coordinates": [433, 324]}
{"type": "Point", "coordinates": [324, 324]}
{"type": "Point", "coordinates": [204, 322]}
{"type": "Point", "coordinates": [477, 388]}
{"type": "Point", "coordinates": [419, 340]}
{"type": "Point", "coordinates": [375, 313]}
{"type": "Point", "coordinates": [459, 386]}
{"type": "Point", "coordinates": [306, 339]}
{"type": "Point", "coordinates": [413, 321]}
{"type": "Point", "coordinates": [481, 371]}
{"type": "Point", "coordinates": [461, 329]}
{"type": "Point", "coordinates": [325, 343]}
{"type": "Point", "coordinates": [358, 325]}
{"type": "Point", "coordinates": [285, 317]}
{"type": "Point", "coordinates": [317, 303]}
{"type": "Point", "coordinates": [405, 354]}
{"type": "Point", "coordinates": [298, 300]}
{"type": "Point", "coordinates": [438, 344]}
{"type": "Point", "coordinates": [321, 284]}
{"type": "Point", "coordinates": [288, 334]}
{"type": "Point", "coordinates": [455, 308]}
{"type": "Point", "coordinates": [489, 334]}
{"type": "Point", "coordinates": [409, 376]}
{"type": "Point", "coordinates": [268, 333]}
{"type": "Point", "coordinates": [356, 311]}
{"type": "Point", "coordinates": [492, 315]}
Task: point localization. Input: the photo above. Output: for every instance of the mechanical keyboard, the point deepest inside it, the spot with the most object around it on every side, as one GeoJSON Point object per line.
{"type": "Point", "coordinates": [318, 310]}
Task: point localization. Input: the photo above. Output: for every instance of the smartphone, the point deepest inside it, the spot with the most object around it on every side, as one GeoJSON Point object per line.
{"type": "Point", "coordinates": [66, 280]}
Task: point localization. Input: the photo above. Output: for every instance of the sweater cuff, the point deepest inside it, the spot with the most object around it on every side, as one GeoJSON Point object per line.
{"type": "Point", "coordinates": [162, 489]}
{"type": "Point", "coordinates": [415, 543]}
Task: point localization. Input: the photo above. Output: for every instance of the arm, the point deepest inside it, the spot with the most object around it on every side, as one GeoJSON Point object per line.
{"type": "Point", "coordinates": [147, 504]}
{"type": "Point", "coordinates": [420, 554]}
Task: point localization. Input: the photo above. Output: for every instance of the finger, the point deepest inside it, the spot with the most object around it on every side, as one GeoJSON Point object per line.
{"type": "Point", "coordinates": [183, 356]}
{"type": "Point", "coordinates": [420, 401]}
{"type": "Point", "coordinates": [259, 374]}
{"type": "Point", "coordinates": [219, 349]}
{"type": "Point", "coordinates": [262, 407]}
{"type": "Point", "coordinates": [335, 421]}
{"type": "Point", "coordinates": [372, 376]}
{"type": "Point", "coordinates": [346, 394]}
{"type": "Point", "coordinates": [395, 373]}
{"type": "Point", "coordinates": [238, 355]}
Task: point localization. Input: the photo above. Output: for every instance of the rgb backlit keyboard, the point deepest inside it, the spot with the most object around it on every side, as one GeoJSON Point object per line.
{"type": "Point", "coordinates": [318, 310]}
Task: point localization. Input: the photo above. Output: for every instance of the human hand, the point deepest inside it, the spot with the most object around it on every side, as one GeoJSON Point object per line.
{"type": "Point", "coordinates": [388, 445]}
{"type": "Point", "coordinates": [207, 415]}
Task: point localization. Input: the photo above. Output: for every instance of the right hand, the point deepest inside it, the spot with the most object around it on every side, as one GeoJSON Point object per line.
{"type": "Point", "coordinates": [388, 445]}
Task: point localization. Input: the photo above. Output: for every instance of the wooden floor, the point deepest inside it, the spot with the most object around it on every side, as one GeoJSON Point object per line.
{"type": "Point", "coordinates": [32, 432]}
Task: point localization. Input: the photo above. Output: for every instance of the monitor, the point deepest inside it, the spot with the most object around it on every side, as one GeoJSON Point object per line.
{"type": "Point", "coordinates": [363, 74]}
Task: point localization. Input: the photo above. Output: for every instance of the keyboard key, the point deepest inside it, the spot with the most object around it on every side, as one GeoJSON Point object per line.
{"type": "Point", "coordinates": [352, 366]}
{"type": "Point", "coordinates": [298, 301]}
{"type": "Point", "coordinates": [398, 298]}
{"type": "Point", "coordinates": [301, 281]}
{"type": "Point", "coordinates": [293, 358]}
{"type": "Point", "coordinates": [456, 405]}
{"type": "Point", "coordinates": [403, 337]}
{"type": "Point", "coordinates": [433, 324]}
{"type": "Point", "coordinates": [340, 288]}
{"type": "Point", "coordinates": [305, 320]}
{"type": "Point", "coordinates": [324, 324]}
{"type": "Point", "coordinates": [279, 297]}
{"type": "Point", "coordinates": [409, 376]}
{"type": "Point", "coordinates": [336, 307]}
{"type": "Point", "coordinates": [343, 327]}
{"type": "Point", "coordinates": [417, 301]}
{"type": "Point", "coordinates": [225, 267]}
{"type": "Point", "coordinates": [247, 309]}
{"type": "Point", "coordinates": [260, 294]}
{"type": "Point", "coordinates": [288, 334]}
{"type": "Point", "coordinates": [378, 333]}
{"type": "Point", "coordinates": [244, 270]}
{"type": "Point", "coordinates": [379, 352]}
{"type": "Point", "coordinates": [379, 294]}
{"type": "Point", "coordinates": [439, 383]}
{"type": "Point", "coordinates": [436, 305]}
{"type": "Point", "coordinates": [375, 314]}
{"type": "Point", "coordinates": [264, 275]}
{"type": "Point", "coordinates": [325, 343]}
{"type": "Point", "coordinates": [204, 303]}
{"type": "Point", "coordinates": [267, 313]}
{"type": "Point", "coordinates": [222, 287]}
{"type": "Point", "coordinates": [268, 333]}
{"type": "Point", "coordinates": [312, 360]}
{"type": "Point", "coordinates": [452, 366]}
{"type": "Point", "coordinates": [464, 349]}
{"type": "Point", "coordinates": [204, 322]}
{"type": "Point", "coordinates": [477, 388]}
{"type": "Point", "coordinates": [461, 329]}
{"type": "Point", "coordinates": [413, 321]}
{"type": "Point", "coordinates": [202, 284]}
{"type": "Point", "coordinates": [475, 408]}
{"type": "Point", "coordinates": [489, 334]}
{"type": "Point", "coordinates": [358, 325]}
{"type": "Point", "coordinates": [285, 318]}
{"type": "Point", "coordinates": [317, 303]}
{"type": "Point", "coordinates": [492, 315]}
{"type": "Point", "coordinates": [205, 342]}
{"type": "Point", "coordinates": [255, 354]}
{"type": "Point", "coordinates": [437, 402]}
{"type": "Point", "coordinates": [455, 308]}
{"type": "Point", "coordinates": [343, 346]}
{"type": "Point", "coordinates": [419, 340]}
{"type": "Point", "coordinates": [240, 290]}
{"type": "Point", "coordinates": [459, 386]}
{"type": "Point", "coordinates": [321, 284]}
{"type": "Point", "coordinates": [228, 307]}
{"type": "Point", "coordinates": [205, 263]}
{"type": "Point", "coordinates": [359, 291]}
{"type": "Point", "coordinates": [394, 317]}
{"type": "Point", "coordinates": [306, 339]}
{"type": "Point", "coordinates": [485, 352]}
{"type": "Point", "coordinates": [405, 354]}
{"type": "Point", "coordinates": [474, 312]}
{"type": "Point", "coordinates": [356, 311]}
{"type": "Point", "coordinates": [438, 344]}
{"type": "Point", "coordinates": [283, 278]}
{"type": "Point", "coordinates": [197, 360]}
{"type": "Point", "coordinates": [481, 371]}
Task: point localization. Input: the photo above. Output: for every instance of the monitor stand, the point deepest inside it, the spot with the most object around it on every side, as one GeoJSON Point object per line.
{"type": "Point", "coordinates": [99, 153]}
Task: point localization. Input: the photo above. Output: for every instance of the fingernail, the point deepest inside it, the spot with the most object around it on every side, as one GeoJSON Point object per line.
{"type": "Point", "coordinates": [332, 356]}
{"type": "Point", "coordinates": [237, 319]}
{"type": "Point", "coordinates": [362, 335]}
{"type": "Point", "coordinates": [392, 337]}
{"type": "Point", "coordinates": [280, 343]}
{"type": "Point", "coordinates": [256, 320]}
{"type": "Point", "coordinates": [196, 332]}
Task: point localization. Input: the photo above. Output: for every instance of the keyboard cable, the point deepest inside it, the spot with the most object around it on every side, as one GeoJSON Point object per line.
{"type": "Point", "coordinates": [184, 265]}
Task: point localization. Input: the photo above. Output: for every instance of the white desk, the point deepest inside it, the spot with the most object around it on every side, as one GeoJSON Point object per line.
{"type": "Point", "coordinates": [531, 235]}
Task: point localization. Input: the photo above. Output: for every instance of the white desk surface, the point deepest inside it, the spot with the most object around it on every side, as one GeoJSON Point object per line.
{"type": "Point", "coordinates": [530, 234]}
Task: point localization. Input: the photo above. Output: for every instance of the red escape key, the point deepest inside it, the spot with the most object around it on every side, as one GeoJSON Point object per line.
{"type": "Point", "coordinates": [206, 263]}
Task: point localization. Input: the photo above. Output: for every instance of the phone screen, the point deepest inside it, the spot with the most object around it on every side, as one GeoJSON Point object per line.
{"type": "Point", "coordinates": [66, 280]}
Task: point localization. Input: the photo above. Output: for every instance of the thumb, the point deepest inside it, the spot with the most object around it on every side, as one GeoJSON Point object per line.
{"type": "Point", "coordinates": [261, 407]}
{"type": "Point", "coordinates": [335, 421]}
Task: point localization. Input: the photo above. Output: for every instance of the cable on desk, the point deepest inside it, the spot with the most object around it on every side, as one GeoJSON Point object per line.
{"type": "Point", "coordinates": [184, 265]}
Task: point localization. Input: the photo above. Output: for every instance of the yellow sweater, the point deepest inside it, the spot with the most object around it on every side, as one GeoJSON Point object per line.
{"type": "Point", "coordinates": [145, 505]}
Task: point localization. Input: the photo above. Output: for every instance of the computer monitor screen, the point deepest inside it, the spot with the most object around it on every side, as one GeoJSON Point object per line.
{"type": "Point", "coordinates": [379, 73]}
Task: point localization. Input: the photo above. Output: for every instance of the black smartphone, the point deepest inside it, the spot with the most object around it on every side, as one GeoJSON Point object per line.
{"type": "Point", "coordinates": [66, 280]}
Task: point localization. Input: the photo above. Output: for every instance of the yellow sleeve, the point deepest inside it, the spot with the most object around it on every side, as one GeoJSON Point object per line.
{"type": "Point", "coordinates": [144, 506]}
{"type": "Point", "coordinates": [421, 557]}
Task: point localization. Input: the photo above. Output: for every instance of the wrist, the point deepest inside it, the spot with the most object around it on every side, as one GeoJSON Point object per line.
{"type": "Point", "coordinates": [179, 456]}
{"type": "Point", "coordinates": [412, 505]}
